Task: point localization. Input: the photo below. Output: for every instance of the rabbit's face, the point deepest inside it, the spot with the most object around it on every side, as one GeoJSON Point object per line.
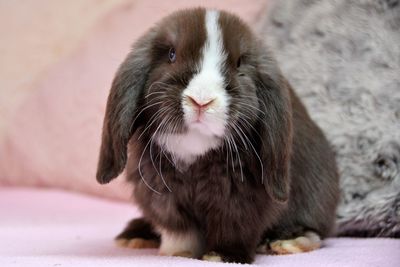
{"type": "Point", "coordinates": [201, 89]}
{"type": "Point", "coordinates": [200, 81]}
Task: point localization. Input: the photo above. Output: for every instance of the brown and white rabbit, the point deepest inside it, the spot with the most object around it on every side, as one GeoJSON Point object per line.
{"type": "Point", "coordinates": [222, 154]}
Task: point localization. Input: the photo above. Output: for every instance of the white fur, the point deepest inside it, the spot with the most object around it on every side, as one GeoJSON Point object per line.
{"type": "Point", "coordinates": [187, 147]}
{"type": "Point", "coordinates": [177, 243]}
{"type": "Point", "coordinates": [207, 85]}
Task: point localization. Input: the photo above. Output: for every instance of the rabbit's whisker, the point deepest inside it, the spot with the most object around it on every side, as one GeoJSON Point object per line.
{"type": "Point", "coordinates": [154, 118]}
{"type": "Point", "coordinates": [251, 145]}
{"type": "Point", "coordinates": [137, 116]}
{"type": "Point", "coordinates": [163, 122]}
{"type": "Point", "coordinates": [140, 170]}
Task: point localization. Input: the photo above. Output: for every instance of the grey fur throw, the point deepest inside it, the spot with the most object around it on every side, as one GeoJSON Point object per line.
{"type": "Point", "coordinates": [343, 59]}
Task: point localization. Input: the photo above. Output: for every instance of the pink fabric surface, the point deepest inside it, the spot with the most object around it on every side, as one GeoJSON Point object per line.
{"type": "Point", "coordinates": [53, 137]}
{"type": "Point", "coordinates": [56, 228]}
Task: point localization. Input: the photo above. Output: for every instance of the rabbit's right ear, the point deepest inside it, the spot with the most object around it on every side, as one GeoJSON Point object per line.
{"type": "Point", "coordinates": [122, 105]}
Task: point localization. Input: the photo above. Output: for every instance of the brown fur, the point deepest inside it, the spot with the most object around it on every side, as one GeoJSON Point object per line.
{"type": "Point", "coordinates": [297, 188]}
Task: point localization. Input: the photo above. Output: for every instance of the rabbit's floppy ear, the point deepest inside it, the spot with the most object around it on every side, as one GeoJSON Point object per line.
{"type": "Point", "coordinates": [125, 96]}
{"type": "Point", "coordinates": [275, 126]}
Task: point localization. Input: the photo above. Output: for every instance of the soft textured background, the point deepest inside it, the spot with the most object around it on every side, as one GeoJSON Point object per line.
{"type": "Point", "coordinates": [57, 62]}
{"type": "Point", "coordinates": [343, 59]}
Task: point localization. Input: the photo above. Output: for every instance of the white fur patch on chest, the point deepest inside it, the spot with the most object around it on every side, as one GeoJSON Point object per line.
{"type": "Point", "coordinates": [186, 147]}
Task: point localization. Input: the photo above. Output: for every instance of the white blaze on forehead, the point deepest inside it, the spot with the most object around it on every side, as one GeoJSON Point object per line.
{"type": "Point", "coordinates": [213, 54]}
{"type": "Point", "coordinates": [209, 82]}
{"type": "Point", "coordinates": [206, 85]}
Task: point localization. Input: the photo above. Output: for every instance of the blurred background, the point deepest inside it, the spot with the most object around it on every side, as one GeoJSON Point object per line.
{"type": "Point", "coordinates": [36, 35]}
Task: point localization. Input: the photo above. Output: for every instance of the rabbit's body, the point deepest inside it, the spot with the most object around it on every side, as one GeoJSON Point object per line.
{"type": "Point", "coordinates": [224, 155]}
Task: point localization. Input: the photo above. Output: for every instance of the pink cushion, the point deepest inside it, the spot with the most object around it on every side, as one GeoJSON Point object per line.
{"type": "Point", "coordinates": [53, 137]}
{"type": "Point", "coordinates": [54, 228]}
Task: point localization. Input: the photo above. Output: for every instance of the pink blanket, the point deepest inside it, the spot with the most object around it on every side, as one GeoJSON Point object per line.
{"type": "Point", "coordinates": [55, 228]}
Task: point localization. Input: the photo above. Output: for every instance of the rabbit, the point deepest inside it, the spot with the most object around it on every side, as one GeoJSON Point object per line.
{"type": "Point", "coordinates": [224, 158]}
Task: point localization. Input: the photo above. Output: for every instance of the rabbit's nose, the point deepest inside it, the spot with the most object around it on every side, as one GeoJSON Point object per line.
{"type": "Point", "coordinates": [199, 104]}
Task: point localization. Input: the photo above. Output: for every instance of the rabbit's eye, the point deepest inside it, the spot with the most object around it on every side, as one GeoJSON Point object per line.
{"type": "Point", "coordinates": [172, 55]}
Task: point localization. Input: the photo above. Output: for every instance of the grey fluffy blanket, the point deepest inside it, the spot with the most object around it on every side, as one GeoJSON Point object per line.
{"type": "Point", "coordinates": [343, 59]}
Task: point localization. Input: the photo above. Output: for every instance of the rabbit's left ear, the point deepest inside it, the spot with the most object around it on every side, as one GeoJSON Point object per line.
{"type": "Point", "coordinates": [275, 126]}
{"type": "Point", "coordinates": [122, 107]}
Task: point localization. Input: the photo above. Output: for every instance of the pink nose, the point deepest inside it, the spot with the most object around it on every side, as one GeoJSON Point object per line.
{"type": "Point", "coordinates": [199, 104]}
